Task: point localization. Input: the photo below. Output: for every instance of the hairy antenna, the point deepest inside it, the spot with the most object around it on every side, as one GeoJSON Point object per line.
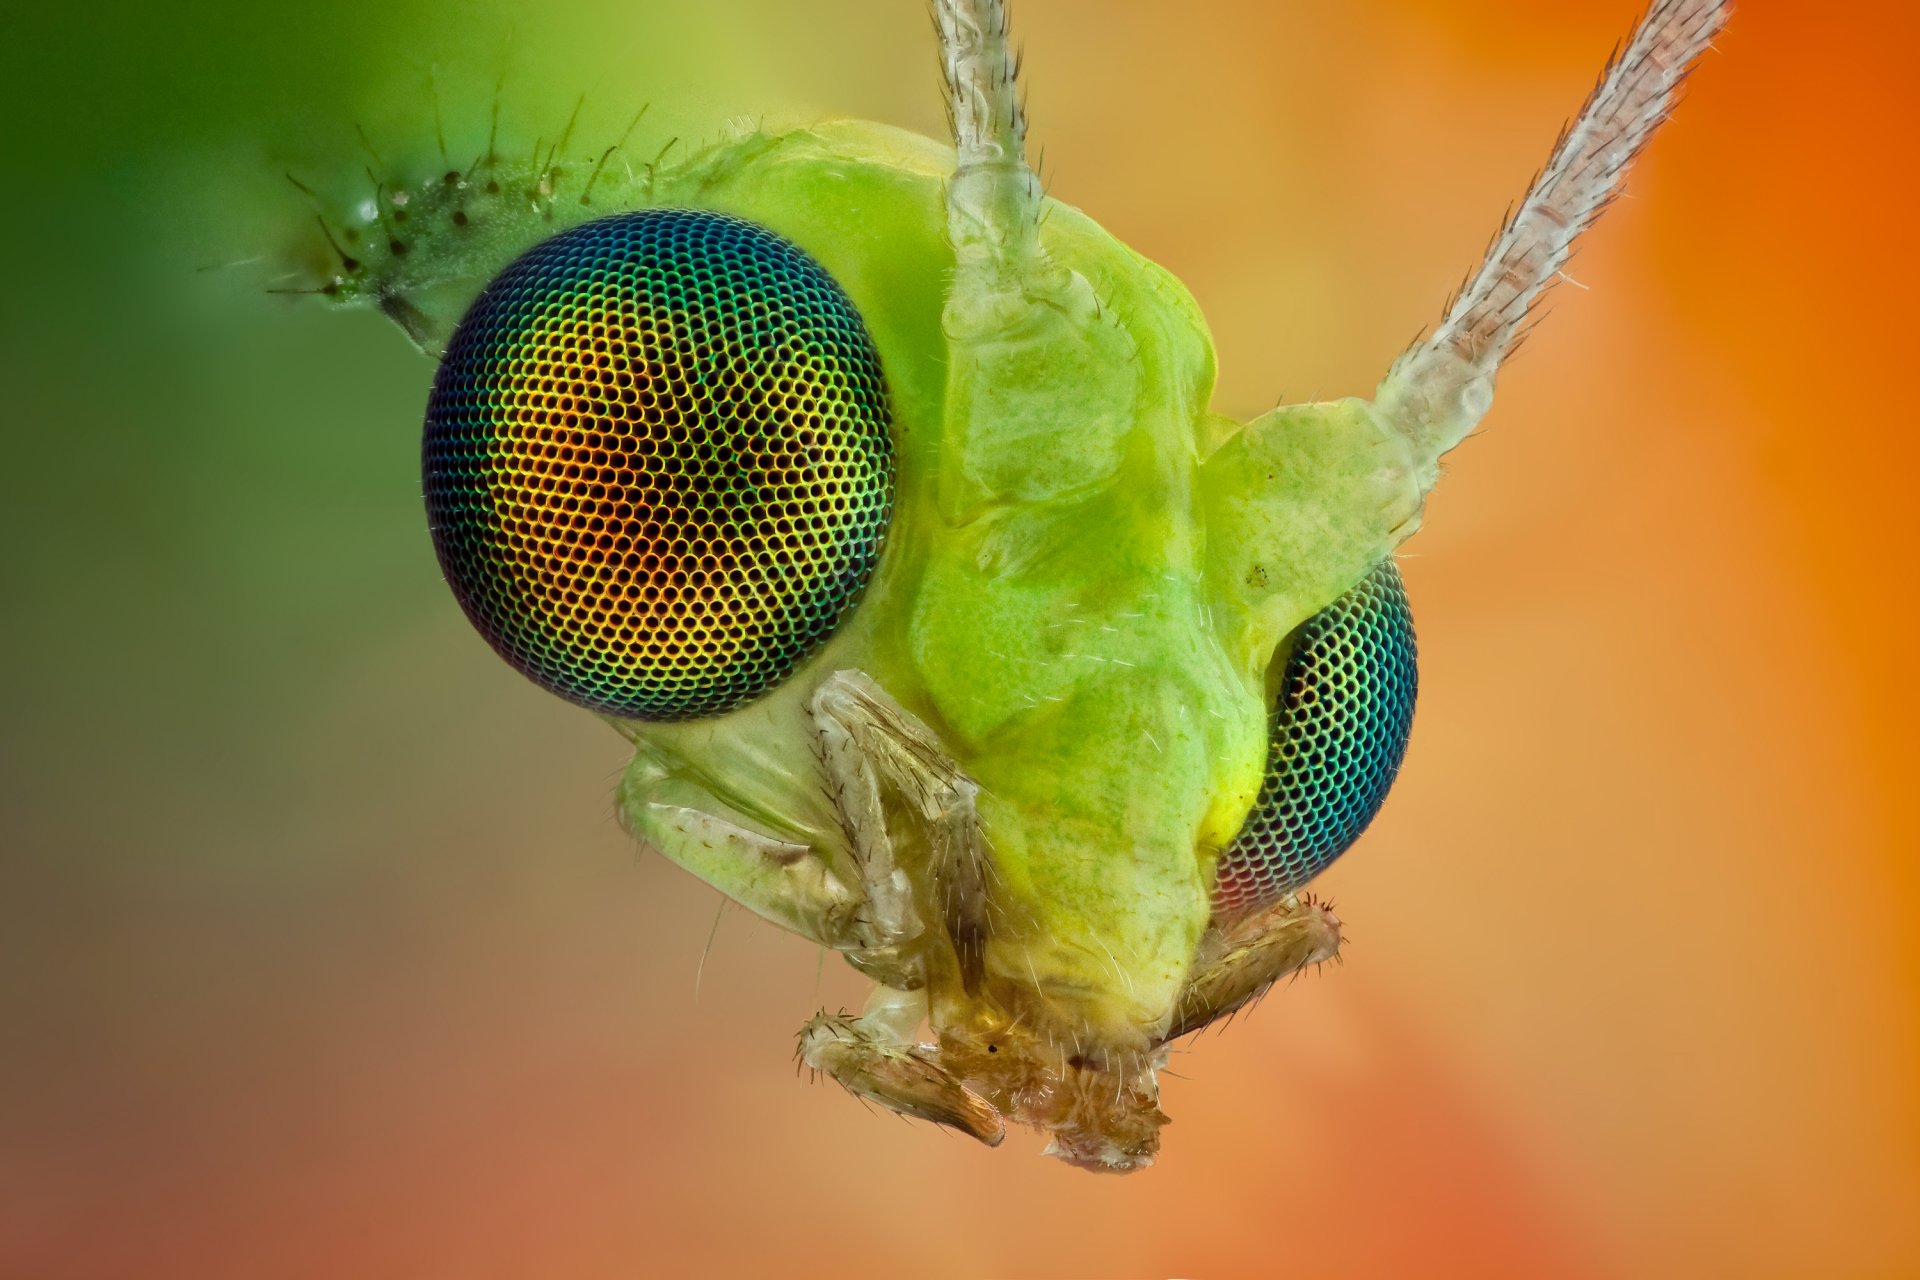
{"type": "Point", "coordinates": [993, 202]}
{"type": "Point", "coordinates": [1440, 388]}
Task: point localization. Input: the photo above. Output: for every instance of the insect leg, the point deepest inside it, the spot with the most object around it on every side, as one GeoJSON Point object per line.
{"type": "Point", "coordinates": [1440, 388]}
{"type": "Point", "coordinates": [1238, 964]}
{"type": "Point", "coordinates": [879, 758]}
{"type": "Point", "coordinates": [873, 749]}
{"type": "Point", "coordinates": [873, 1056]}
{"type": "Point", "coordinates": [789, 884]}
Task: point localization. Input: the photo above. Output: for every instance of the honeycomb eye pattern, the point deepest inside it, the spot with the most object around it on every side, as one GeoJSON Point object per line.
{"type": "Point", "coordinates": [1339, 733]}
{"type": "Point", "coordinates": [658, 462]}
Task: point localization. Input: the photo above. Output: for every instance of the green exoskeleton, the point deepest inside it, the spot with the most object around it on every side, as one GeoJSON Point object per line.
{"type": "Point", "coordinates": [875, 497]}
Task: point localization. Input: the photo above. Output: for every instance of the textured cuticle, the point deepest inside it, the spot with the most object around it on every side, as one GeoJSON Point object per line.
{"type": "Point", "coordinates": [1338, 735]}
{"type": "Point", "coordinates": [657, 462]}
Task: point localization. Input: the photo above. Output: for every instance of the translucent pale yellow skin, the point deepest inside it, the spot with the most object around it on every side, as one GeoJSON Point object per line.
{"type": "Point", "coordinates": [1083, 587]}
{"type": "Point", "coordinates": [1047, 602]}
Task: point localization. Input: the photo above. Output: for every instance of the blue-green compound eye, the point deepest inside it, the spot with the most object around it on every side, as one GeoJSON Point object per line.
{"type": "Point", "coordinates": [657, 462]}
{"type": "Point", "coordinates": [1339, 733]}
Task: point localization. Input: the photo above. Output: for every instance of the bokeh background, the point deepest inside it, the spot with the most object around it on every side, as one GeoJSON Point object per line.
{"type": "Point", "coordinates": [321, 955]}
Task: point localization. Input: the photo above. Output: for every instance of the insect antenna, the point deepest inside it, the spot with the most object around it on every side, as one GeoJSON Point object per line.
{"type": "Point", "coordinates": [1439, 389]}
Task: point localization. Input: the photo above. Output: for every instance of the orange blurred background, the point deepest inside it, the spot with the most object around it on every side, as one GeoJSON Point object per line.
{"type": "Point", "coordinates": [321, 955]}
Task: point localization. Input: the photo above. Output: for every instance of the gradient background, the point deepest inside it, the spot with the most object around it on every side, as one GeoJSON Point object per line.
{"type": "Point", "coordinates": [321, 956]}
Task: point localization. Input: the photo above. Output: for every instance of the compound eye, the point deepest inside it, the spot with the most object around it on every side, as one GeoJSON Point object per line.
{"type": "Point", "coordinates": [1339, 733]}
{"type": "Point", "coordinates": [658, 464]}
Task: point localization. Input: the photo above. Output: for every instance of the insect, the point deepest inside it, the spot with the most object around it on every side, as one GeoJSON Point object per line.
{"type": "Point", "coordinates": [875, 497]}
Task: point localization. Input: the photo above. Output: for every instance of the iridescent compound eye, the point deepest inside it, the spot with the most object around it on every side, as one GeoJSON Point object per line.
{"type": "Point", "coordinates": [1339, 734]}
{"type": "Point", "coordinates": [658, 464]}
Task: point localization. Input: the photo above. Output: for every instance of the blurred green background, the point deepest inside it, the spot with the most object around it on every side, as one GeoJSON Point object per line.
{"type": "Point", "coordinates": [321, 955]}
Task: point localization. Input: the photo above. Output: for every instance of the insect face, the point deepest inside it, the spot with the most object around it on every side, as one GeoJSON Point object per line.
{"type": "Point", "coordinates": [1016, 675]}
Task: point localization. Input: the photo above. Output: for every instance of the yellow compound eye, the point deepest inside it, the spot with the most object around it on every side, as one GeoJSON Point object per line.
{"type": "Point", "coordinates": [657, 462]}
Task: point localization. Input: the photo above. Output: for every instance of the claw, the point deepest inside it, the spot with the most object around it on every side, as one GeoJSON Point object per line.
{"type": "Point", "coordinates": [1237, 967]}
{"type": "Point", "coordinates": [870, 1063]}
